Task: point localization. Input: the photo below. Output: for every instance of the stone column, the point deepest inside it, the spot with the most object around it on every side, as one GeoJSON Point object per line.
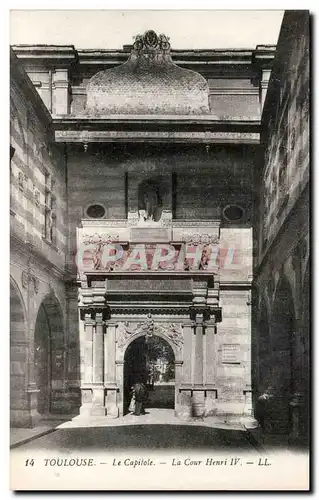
{"type": "Point", "coordinates": [178, 381]}
{"type": "Point", "coordinates": [198, 368]}
{"type": "Point", "coordinates": [89, 324]}
{"type": "Point", "coordinates": [87, 375]}
{"type": "Point", "coordinates": [98, 351]}
{"type": "Point", "coordinates": [98, 402]}
{"type": "Point", "coordinates": [32, 390]}
{"type": "Point", "coordinates": [120, 383]}
{"type": "Point", "coordinates": [210, 366]}
{"type": "Point", "coordinates": [111, 385]}
{"type": "Point", "coordinates": [188, 331]}
{"type": "Point", "coordinates": [198, 393]}
{"type": "Point", "coordinates": [210, 349]}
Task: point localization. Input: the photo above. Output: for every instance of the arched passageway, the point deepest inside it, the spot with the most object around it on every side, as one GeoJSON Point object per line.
{"type": "Point", "coordinates": [49, 356]}
{"type": "Point", "coordinates": [151, 360]}
{"type": "Point", "coordinates": [282, 339]}
{"type": "Point", "coordinates": [19, 414]}
{"type": "Point", "coordinates": [264, 350]}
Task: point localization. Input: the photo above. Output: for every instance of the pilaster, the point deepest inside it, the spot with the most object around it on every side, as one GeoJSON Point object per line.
{"type": "Point", "coordinates": [112, 410]}
{"type": "Point", "coordinates": [61, 92]}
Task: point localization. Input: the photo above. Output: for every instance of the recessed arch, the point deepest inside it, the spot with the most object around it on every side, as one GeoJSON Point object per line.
{"type": "Point", "coordinates": [162, 335]}
{"type": "Point", "coordinates": [49, 355]}
{"type": "Point", "coordinates": [150, 359]}
{"type": "Point", "coordinates": [264, 348]}
{"type": "Point", "coordinates": [283, 327]}
{"type": "Point", "coordinates": [19, 416]}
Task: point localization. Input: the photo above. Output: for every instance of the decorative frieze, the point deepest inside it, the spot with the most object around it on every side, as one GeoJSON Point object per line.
{"type": "Point", "coordinates": [201, 239]}
{"type": "Point", "coordinates": [149, 328]}
{"type": "Point", "coordinates": [99, 239]}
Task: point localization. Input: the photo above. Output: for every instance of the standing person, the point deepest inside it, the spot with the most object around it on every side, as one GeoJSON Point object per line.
{"type": "Point", "coordinates": [140, 392]}
{"type": "Point", "coordinates": [131, 408]}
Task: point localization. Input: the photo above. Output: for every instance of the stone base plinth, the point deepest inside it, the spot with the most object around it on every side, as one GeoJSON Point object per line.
{"type": "Point", "coordinates": [112, 410]}
{"type": "Point", "coordinates": [23, 419]}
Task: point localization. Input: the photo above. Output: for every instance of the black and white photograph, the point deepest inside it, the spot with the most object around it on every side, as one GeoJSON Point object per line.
{"type": "Point", "coordinates": [159, 250]}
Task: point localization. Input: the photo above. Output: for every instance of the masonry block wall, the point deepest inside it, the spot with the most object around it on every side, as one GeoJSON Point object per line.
{"type": "Point", "coordinates": [38, 249]}
{"type": "Point", "coordinates": [281, 266]}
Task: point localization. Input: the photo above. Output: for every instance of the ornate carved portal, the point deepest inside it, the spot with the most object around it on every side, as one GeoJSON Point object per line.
{"type": "Point", "coordinates": [171, 332]}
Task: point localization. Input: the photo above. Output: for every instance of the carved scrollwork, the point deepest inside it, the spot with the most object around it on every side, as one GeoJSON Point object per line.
{"type": "Point", "coordinates": [199, 239]}
{"type": "Point", "coordinates": [149, 328]}
{"type": "Point", "coordinates": [100, 239]}
{"type": "Point", "coordinates": [151, 41]}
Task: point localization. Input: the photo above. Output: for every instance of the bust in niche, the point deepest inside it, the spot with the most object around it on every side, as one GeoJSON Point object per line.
{"type": "Point", "coordinates": [149, 202]}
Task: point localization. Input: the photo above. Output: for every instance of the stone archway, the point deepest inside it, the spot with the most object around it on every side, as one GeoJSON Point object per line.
{"type": "Point", "coordinates": [282, 345]}
{"type": "Point", "coordinates": [19, 411]}
{"type": "Point", "coordinates": [126, 334]}
{"type": "Point", "coordinates": [152, 360]}
{"type": "Point", "coordinates": [49, 356]}
{"type": "Point", "coordinates": [264, 349]}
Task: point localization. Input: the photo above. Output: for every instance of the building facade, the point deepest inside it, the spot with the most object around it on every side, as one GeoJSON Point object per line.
{"type": "Point", "coordinates": [38, 213]}
{"type": "Point", "coordinates": [281, 267]}
{"type": "Point", "coordinates": [132, 216]}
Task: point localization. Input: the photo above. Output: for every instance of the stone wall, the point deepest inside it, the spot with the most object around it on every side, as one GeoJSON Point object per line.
{"type": "Point", "coordinates": [37, 260]}
{"type": "Point", "coordinates": [280, 340]}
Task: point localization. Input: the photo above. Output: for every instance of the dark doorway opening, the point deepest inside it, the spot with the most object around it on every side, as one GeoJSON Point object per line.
{"type": "Point", "coordinates": [49, 356]}
{"type": "Point", "coordinates": [283, 328]}
{"type": "Point", "coordinates": [43, 361]}
{"type": "Point", "coordinates": [150, 359]}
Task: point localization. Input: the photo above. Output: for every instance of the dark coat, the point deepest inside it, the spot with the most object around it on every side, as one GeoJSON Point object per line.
{"type": "Point", "coordinates": [140, 391]}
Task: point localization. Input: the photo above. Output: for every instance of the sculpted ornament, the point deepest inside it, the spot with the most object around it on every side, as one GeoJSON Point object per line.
{"type": "Point", "coordinates": [198, 239]}
{"type": "Point", "coordinates": [149, 328]}
{"type": "Point", "coordinates": [36, 284]}
{"type": "Point", "coordinates": [25, 279]}
{"type": "Point", "coordinates": [99, 239]}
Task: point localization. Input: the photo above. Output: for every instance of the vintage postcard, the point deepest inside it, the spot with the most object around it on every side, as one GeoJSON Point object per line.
{"type": "Point", "coordinates": [159, 262]}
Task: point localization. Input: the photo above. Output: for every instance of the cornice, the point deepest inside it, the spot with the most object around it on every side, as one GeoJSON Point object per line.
{"type": "Point", "coordinates": [46, 55]}
{"type": "Point", "coordinates": [108, 310]}
{"type": "Point", "coordinates": [102, 274]}
{"type": "Point", "coordinates": [209, 120]}
{"type": "Point", "coordinates": [20, 80]}
{"type": "Point", "coordinates": [156, 128]}
{"type": "Point", "coordinates": [206, 61]}
{"type": "Point", "coordinates": [120, 136]}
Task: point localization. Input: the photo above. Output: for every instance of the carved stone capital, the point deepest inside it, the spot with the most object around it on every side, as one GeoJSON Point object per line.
{"type": "Point", "coordinates": [94, 313]}
{"type": "Point", "coordinates": [203, 314]}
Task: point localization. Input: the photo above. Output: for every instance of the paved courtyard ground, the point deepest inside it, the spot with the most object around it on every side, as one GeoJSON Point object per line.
{"type": "Point", "coordinates": [140, 436]}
